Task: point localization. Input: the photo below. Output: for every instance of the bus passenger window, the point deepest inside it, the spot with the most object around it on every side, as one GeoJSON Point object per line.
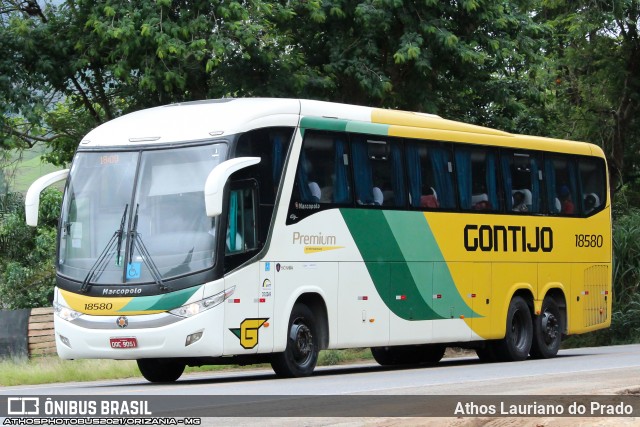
{"type": "Point", "coordinates": [593, 184]}
{"type": "Point", "coordinates": [378, 171]}
{"type": "Point", "coordinates": [322, 175]}
{"type": "Point", "coordinates": [521, 182]}
{"type": "Point", "coordinates": [561, 185]}
{"type": "Point", "coordinates": [477, 182]}
{"type": "Point", "coordinates": [429, 169]}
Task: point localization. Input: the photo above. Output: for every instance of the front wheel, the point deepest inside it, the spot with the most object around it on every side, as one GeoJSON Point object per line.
{"type": "Point", "coordinates": [517, 341]}
{"type": "Point", "coordinates": [301, 355]}
{"type": "Point", "coordinates": [547, 331]}
{"type": "Point", "coordinates": [160, 370]}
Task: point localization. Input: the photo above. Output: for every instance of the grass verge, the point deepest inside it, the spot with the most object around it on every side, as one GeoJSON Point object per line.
{"type": "Point", "coordinates": [46, 370]}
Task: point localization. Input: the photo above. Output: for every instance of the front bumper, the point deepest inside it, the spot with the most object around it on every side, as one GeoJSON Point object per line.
{"type": "Point", "coordinates": [157, 335]}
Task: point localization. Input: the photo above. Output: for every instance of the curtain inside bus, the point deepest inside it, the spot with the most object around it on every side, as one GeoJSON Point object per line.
{"type": "Point", "coordinates": [414, 173]}
{"type": "Point", "coordinates": [463, 173]}
{"type": "Point", "coordinates": [397, 176]}
{"type": "Point", "coordinates": [550, 178]}
{"type": "Point", "coordinates": [506, 175]}
{"type": "Point", "coordinates": [492, 186]}
{"type": "Point", "coordinates": [440, 161]}
{"type": "Point", "coordinates": [362, 172]}
{"type": "Point", "coordinates": [341, 185]}
{"type": "Point", "coordinates": [535, 186]}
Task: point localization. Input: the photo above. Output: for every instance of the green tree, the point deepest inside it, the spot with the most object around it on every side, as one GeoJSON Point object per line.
{"type": "Point", "coordinates": [469, 60]}
{"type": "Point", "coordinates": [85, 62]}
{"type": "Point", "coordinates": [67, 68]}
{"type": "Point", "coordinates": [595, 78]}
{"type": "Point", "coordinates": [27, 276]}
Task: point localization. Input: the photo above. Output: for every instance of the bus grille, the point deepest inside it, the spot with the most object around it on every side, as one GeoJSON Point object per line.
{"type": "Point", "coordinates": [596, 280]}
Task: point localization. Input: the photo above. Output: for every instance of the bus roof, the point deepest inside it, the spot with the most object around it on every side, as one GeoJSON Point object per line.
{"type": "Point", "coordinates": [202, 120]}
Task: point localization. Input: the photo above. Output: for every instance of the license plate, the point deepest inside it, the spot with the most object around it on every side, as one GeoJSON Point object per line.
{"type": "Point", "coordinates": [123, 342]}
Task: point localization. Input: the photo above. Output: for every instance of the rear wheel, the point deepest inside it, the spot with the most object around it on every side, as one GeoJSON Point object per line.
{"type": "Point", "coordinates": [301, 355]}
{"type": "Point", "coordinates": [160, 370]}
{"type": "Point", "coordinates": [517, 341]}
{"type": "Point", "coordinates": [487, 353]}
{"type": "Point", "coordinates": [547, 330]}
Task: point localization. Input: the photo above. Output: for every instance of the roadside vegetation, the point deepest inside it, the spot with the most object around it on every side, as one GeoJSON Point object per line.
{"type": "Point", "coordinates": [51, 369]}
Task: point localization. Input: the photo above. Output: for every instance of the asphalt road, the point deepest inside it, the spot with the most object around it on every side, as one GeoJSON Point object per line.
{"type": "Point", "coordinates": [611, 370]}
{"type": "Point", "coordinates": [594, 370]}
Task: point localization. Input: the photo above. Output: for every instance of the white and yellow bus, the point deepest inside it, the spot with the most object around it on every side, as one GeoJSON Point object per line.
{"type": "Point", "coordinates": [252, 230]}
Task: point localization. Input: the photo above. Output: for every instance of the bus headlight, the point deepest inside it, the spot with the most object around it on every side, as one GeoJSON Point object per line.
{"type": "Point", "coordinates": [65, 313]}
{"type": "Point", "coordinates": [194, 308]}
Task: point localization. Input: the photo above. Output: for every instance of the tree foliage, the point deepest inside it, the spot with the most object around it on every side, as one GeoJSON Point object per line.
{"type": "Point", "coordinates": [27, 275]}
{"type": "Point", "coordinates": [75, 65]}
{"type": "Point", "coordinates": [595, 52]}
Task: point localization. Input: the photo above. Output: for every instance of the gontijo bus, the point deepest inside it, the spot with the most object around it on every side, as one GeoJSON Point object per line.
{"type": "Point", "coordinates": [253, 230]}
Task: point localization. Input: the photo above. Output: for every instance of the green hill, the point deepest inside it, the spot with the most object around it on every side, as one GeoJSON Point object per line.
{"type": "Point", "coordinates": [30, 168]}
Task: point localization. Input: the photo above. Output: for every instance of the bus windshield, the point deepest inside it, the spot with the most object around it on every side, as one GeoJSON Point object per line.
{"type": "Point", "coordinates": [137, 217]}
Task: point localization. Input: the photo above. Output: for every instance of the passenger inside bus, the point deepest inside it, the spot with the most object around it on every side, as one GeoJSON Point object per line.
{"type": "Point", "coordinates": [519, 202]}
{"type": "Point", "coordinates": [429, 199]}
{"type": "Point", "coordinates": [591, 202]}
{"type": "Point", "coordinates": [566, 202]}
{"type": "Point", "coordinates": [378, 198]}
{"type": "Point", "coordinates": [480, 202]}
{"type": "Point", "coordinates": [316, 193]}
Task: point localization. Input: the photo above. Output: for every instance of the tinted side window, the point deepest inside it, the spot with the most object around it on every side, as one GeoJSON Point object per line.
{"type": "Point", "coordinates": [271, 145]}
{"type": "Point", "coordinates": [378, 171]}
{"type": "Point", "coordinates": [561, 185]}
{"type": "Point", "coordinates": [593, 184]}
{"type": "Point", "coordinates": [430, 175]}
{"type": "Point", "coordinates": [521, 182]}
{"type": "Point", "coordinates": [476, 174]}
{"type": "Point", "coordinates": [322, 175]}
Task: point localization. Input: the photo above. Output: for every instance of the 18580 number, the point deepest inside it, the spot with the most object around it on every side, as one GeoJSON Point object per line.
{"type": "Point", "coordinates": [99, 306]}
{"type": "Point", "coordinates": [589, 240]}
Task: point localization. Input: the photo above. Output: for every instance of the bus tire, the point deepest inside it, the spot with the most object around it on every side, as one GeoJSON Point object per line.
{"type": "Point", "coordinates": [547, 331]}
{"type": "Point", "coordinates": [160, 370]}
{"type": "Point", "coordinates": [487, 353]}
{"type": "Point", "coordinates": [384, 356]}
{"type": "Point", "coordinates": [430, 354]}
{"type": "Point", "coordinates": [301, 354]}
{"type": "Point", "coordinates": [516, 344]}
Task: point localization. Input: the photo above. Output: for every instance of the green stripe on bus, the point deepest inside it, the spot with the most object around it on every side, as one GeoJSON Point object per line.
{"type": "Point", "coordinates": [340, 125]}
{"type": "Point", "coordinates": [386, 264]}
{"type": "Point", "coordinates": [404, 261]}
{"type": "Point", "coordinates": [370, 128]}
{"type": "Point", "coordinates": [161, 302]}
{"type": "Point", "coordinates": [420, 249]}
{"type": "Point", "coordinates": [322, 123]}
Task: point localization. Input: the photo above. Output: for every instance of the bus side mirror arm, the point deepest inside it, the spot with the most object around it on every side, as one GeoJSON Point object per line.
{"type": "Point", "coordinates": [32, 199]}
{"type": "Point", "coordinates": [214, 186]}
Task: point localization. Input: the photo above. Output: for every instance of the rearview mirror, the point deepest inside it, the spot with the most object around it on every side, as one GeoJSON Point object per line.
{"type": "Point", "coordinates": [214, 186]}
{"type": "Point", "coordinates": [32, 200]}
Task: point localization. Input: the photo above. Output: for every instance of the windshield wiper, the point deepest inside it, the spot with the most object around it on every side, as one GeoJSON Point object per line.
{"type": "Point", "coordinates": [136, 242]}
{"type": "Point", "coordinates": [101, 263]}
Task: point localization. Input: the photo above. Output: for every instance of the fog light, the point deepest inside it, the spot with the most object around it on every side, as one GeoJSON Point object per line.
{"type": "Point", "coordinates": [195, 337]}
{"type": "Point", "coordinates": [65, 340]}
